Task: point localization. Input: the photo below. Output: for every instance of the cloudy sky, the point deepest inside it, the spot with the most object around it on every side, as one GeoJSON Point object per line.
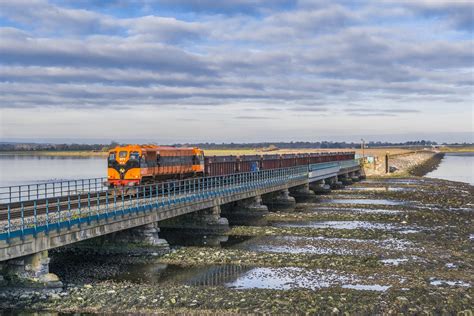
{"type": "Point", "coordinates": [236, 70]}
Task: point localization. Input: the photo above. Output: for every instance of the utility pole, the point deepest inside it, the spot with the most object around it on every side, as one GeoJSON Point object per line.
{"type": "Point", "coordinates": [363, 149]}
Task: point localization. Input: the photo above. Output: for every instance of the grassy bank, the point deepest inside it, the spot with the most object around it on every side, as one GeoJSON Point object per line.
{"type": "Point", "coordinates": [463, 149]}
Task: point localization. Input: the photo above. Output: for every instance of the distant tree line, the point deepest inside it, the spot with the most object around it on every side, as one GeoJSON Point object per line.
{"type": "Point", "coordinates": [55, 147]}
{"type": "Point", "coordinates": [264, 145]}
{"type": "Point", "coordinates": [308, 145]}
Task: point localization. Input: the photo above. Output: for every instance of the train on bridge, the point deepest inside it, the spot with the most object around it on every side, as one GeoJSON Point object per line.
{"type": "Point", "coordinates": [141, 164]}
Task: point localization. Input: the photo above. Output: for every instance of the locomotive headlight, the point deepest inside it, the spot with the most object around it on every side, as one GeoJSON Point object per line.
{"type": "Point", "coordinates": [122, 170]}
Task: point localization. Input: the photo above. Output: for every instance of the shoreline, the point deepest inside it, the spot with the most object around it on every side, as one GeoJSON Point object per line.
{"type": "Point", "coordinates": [404, 165]}
{"type": "Point", "coordinates": [427, 166]}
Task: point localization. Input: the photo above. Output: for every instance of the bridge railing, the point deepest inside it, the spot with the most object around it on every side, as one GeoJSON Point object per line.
{"type": "Point", "coordinates": [33, 217]}
{"type": "Point", "coordinates": [349, 163]}
{"type": "Point", "coordinates": [44, 190]}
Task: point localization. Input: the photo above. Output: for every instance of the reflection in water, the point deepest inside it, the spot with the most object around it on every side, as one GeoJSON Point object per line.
{"type": "Point", "coordinates": [241, 277]}
{"type": "Point", "coordinates": [172, 274]}
{"type": "Point", "coordinates": [455, 167]}
{"type": "Point", "coordinates": [24, 169]}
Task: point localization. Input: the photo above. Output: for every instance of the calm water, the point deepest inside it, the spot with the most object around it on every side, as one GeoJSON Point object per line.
{"type": "Point", "coordinates": [455, 167]}
{"type": "Point", "coordinates": [24, 169]}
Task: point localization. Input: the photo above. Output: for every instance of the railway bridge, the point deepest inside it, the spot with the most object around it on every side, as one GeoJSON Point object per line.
{"type": "Point", "coordinates": [36, 218]}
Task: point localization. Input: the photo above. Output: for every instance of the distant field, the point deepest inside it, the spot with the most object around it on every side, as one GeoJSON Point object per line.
{"type": "Point", "coordinates": [457, 149]}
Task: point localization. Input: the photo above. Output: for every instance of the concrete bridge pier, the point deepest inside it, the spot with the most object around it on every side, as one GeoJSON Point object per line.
{"type": "Point", "coordinates": [354, 176]}
{"type": "Point", "coordinates": [206, 221]}
{"type": "Point", "coordinates": [302, 193]}
{"type": "Point", "coordinates": [31, 270]}
{"type": "Point", "coordinates": [345, 179]}
{"type": "Point", "coordinates": [247, 211]}
{"type": "Point", "coordinates": [320, 187]}
{"type": "Point", "coordinates": [148, 235]}
{"type": "Point", "coordinates": [334, 183]}
{"type": "Point", "coordinates": [279, 201]}
{"type": "Point", "coordinates": [139, 240]}
{"type": "Point", "coordinates": [205, 227]}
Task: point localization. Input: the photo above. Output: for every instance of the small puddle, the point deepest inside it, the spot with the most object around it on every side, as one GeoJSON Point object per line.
{"type": "Point", "coordinates": [379, 189]}
{"type": "Point", "coordinates": [364, 201]}
{"type": "Point", "coordinates": [394, 262]}
{"type": "Point", "coordinates": [409, 231]}
{"type": "Point", "coordinates": [322, 245]}
{"type": "Point", "coordinates": [397, 181]}
{"type": "Point", "coordinates": [373, 211]}
{"type": "Point", "coordinates": [363, 287]}
{"type": "Point", "coordinates": [338, 225]}
{"type": "Point", "coordinates": [438, 282]}
{"type": "Point", "coordinates": [288, 278]}
{"type": "Point", "coordinates": [330, 210]}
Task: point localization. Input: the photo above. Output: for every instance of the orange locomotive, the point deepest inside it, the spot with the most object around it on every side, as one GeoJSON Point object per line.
{"type": "Point", "coordinates": [137, 164]}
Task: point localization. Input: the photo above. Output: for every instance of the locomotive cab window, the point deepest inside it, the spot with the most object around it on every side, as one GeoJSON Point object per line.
{"type": "Point", "coordinates": [134, 155]}
{"type": "Point", "coordinates": [112, 156]}
{"type": "Point", "coordinates": [123, 154]}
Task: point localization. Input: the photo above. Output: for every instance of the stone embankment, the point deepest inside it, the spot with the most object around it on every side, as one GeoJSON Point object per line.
{"type": "Point", "coordinates": [416, 163]}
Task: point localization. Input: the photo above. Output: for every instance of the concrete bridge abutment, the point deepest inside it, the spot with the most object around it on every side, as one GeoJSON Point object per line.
{"type": "Point", "coordinates": [279, 201]}
{"type": "Point", "coordinates": [29, 271]}
{"type": "Point", "coordinates": [246, 211]}
{"type": "Point", "coordinates": [302, 193]}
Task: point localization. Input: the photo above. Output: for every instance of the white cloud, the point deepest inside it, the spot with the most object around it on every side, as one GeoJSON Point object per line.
{"type": "Point", "coordinates": [309, 59]}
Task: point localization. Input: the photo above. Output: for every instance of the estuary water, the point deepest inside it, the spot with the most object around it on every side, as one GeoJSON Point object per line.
{"type": "Point", "coordinates": [455, 167]}
{"type": "Point", "coordinates": [26, 169]}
